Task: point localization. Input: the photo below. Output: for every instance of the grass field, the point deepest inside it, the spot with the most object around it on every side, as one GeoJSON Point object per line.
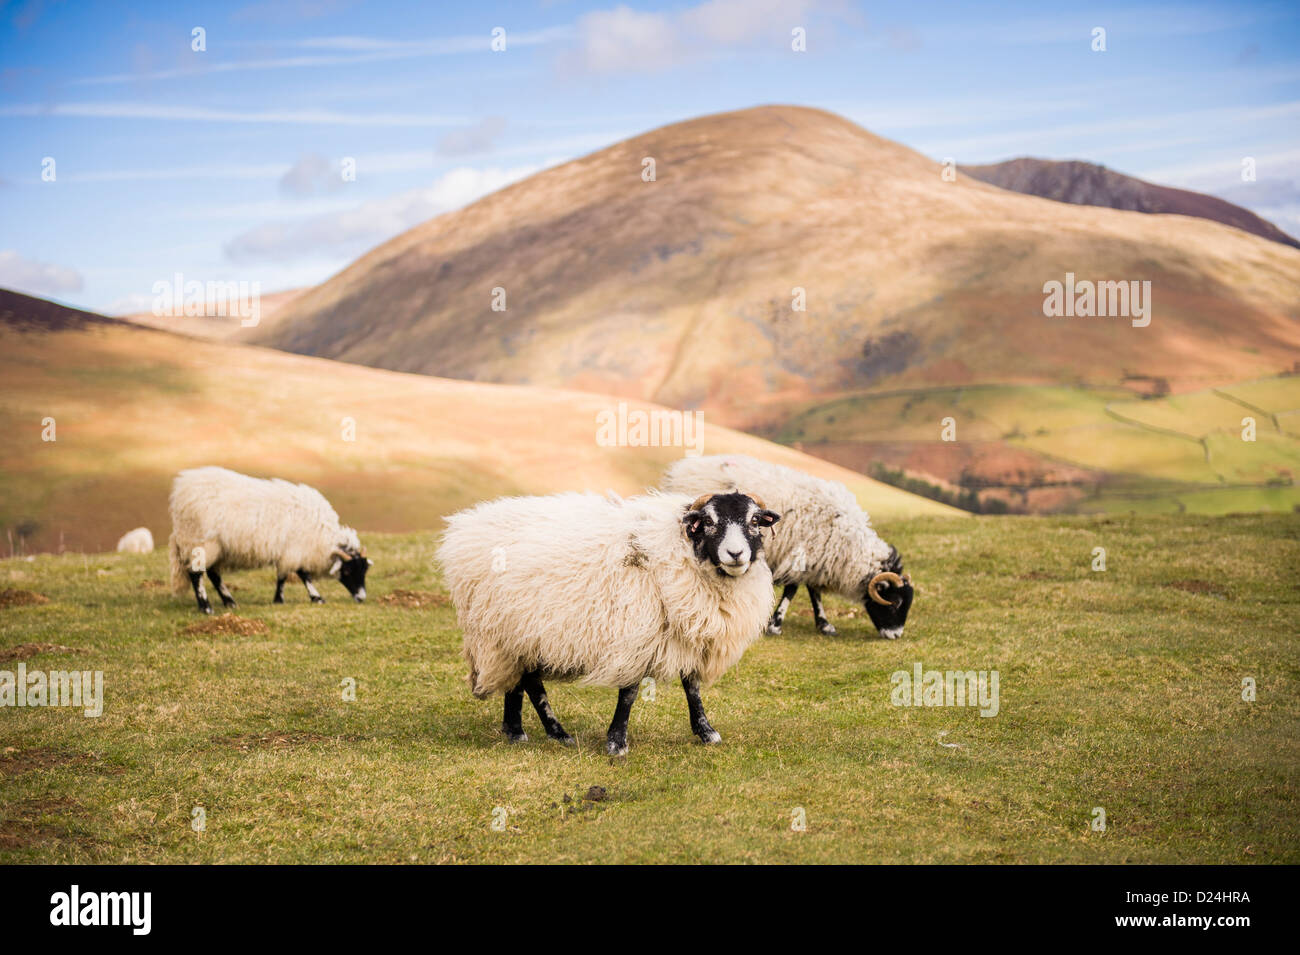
{"type": "Point", "coordinates": [1119, 689]}
{"type": "Point", "coordinates": [1177, 453]}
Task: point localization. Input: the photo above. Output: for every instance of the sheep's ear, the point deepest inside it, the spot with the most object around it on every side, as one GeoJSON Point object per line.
{"type": "Point", "coordinates": [369, 562]}
{"type": "Point", "coordinates": [334, 571]}
{"type": "Point", "coordinates": [767, 518]}
{"type": "Point", "coordinates": [693, 520]}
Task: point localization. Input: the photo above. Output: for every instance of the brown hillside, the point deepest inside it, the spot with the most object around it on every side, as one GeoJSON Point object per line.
{"type": "Point", "coordinates": [132, 406]}
{"type": "Point", "coordinates": [679, 290]}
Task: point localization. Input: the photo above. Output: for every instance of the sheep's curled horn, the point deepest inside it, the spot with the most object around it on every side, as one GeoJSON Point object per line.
{"type": "Point", "coordinates": [885, 577]}
{"type": "Point", "coordinates": [699, 502]}
{"type": "Point", "coordinates": [703, 499]}
{"type": "Point", "coordinates": [340, 556]}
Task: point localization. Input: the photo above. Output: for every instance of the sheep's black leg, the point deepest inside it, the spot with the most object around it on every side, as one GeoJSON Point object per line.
{"type": "Point", "coordinates": [778, 616]}
{"type": "Point", "coordinates": [532, 683]}
{"type": "Point", "coordinates": [227, 598]}
{"type": "Point", "coordinates": [312, 592]}
{"type": "Point", "coordinates": [279, 590]}
{"type": "Point", "coordinates": [616, 738]}
{"type": "Point", "coordinates": [200, 594]}
{"type": "Point", "coordinates": [699, 722]}
{"type": "Point", "coordinates": [512, 723]}
{"type": "Point", "coordinates": [819, 616]}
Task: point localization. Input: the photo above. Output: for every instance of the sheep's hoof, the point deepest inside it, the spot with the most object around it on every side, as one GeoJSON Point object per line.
{"type": "Point", "coordinates": [207, 610]}
{"type": "Point", "coordinates": [773, 630]}
{"type": "Point", "coordinates": [828, 629]}
{"type": "Point", "coordinates": [277, 600]}
{"type": "Point", "coordinates": [514, 736]}
{"type": "Point", "coordinates": [615, 747]}
{"type": "Point", "coordinates": [565, 740]}
{"type": "Point", "coordinates": [708, 735]}
{"type": "Point", "coordinates": [318, 600]}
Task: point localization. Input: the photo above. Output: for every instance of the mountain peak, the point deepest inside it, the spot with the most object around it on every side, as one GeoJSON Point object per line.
{"type": "Point", "coordinates": [783, 253]}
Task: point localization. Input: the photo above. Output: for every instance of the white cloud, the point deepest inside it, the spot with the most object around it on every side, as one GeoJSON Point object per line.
{"type": "Point", "coordinates": [37, 278]}
{"type": "Point", "coordinates": [346, 51]}
{"type": "Point", "coordinates": [626, 39]}
{"type": "Point", "coordinates": [347, 232]}
{"type": "Point", "coordinates": [479, 138]}
{"type": "Point", "coordinates": [623, 39]}
{"type": "Point", "coordinates": [310, 175]}
{"type": "Point", "coordinates": [155, 111]}
{"type": "Point", "coordinates": [733, 22]}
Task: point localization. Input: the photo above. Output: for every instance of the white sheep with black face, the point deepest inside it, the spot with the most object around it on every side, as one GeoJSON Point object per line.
{"type": "Point", "coordinates": [825, 540]}
{"type": "Point", "coordinates": [606, 592]}
{"type": "Point", "coordinates": [223, 520]}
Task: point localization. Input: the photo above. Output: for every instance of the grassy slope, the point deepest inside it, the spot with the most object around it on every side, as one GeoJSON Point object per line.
{"type": "Point", "coordinates": [1158, 454]}
{"type": "Point", "coordinates": [1117, 690]}
{"type": "Point", "coordinates": [134, 406]}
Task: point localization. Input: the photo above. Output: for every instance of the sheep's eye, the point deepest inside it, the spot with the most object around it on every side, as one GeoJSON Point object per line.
{"type": "Point", "coordinates": [754, 521]}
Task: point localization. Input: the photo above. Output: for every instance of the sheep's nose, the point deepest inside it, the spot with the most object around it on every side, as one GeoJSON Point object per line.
{"type": "Point", "coordinates": [735, 554]}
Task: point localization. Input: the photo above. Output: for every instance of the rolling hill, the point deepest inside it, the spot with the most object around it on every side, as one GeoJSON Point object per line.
{"type": "Point", "coordinates": [224, 328]}
{"type": "Point", "coordinates": [679, 290]}
{"type": "Point", "coordinates": [131, 406]}
{"type": "Point", "coordinates": [1088, 184]}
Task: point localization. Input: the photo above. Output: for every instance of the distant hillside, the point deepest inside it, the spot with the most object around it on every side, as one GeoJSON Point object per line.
{"type": "Point", "coordinates": [227, 328]}
{"type": "Point", "coordinates": [682, 290]}
{"type": "Point", "coordinates": [1088, 184]}
{"type": "Point", "coordinates": [131, 406]}
{"type": "Point", "coordinates": [19, 311]}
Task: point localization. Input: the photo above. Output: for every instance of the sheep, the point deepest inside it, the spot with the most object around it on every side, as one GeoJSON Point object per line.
{"type": "Point", "coordinates": [825, 541]}
{"type": "Point", "coordinates": [607, 592]}
{"type": "Point", "coordinates": [223, 520]}
{"type": "Point", "coordinates": [138, 541]}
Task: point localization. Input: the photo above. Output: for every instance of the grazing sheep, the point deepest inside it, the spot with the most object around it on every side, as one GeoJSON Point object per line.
{"type": "Point", "coordinates": [825, 540]}
{"type": "Point", "coordinates": [606, 592]}
{"type": "Point", "coordinates": [138, 541]}
{"type": "Point", "coordinates": [223, 520]}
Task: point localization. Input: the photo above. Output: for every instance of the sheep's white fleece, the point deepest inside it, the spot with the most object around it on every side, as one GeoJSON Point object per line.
{"type": "Point", "coordinates": [823, 538]}
{"type": "Point", "coordinates": [138, 541]}
{"type": "Point", "coordinates": [243, 522]}
{"type": "Point", "coordinates": [602, 591]}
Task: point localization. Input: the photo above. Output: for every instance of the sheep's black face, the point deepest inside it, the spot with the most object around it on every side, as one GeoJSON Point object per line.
{"type": "Point", "coordinates": [726, 530]}
{"type": "Point", "coordinates": [888, 597]}
{"type": "Point", "coordinates": [352, 575]}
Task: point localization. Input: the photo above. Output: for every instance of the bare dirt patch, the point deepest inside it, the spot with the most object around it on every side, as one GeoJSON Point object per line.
{"type": "Point", "coordinates": [21, 829]}
{"type": "Point", "coordinates": [1194, 586]}
{"type": "Point", "coordinates": [14, 761]}
{"type": "Point", "coordinates": [227, 624]}
{"type": "Point", "coordinates": [415, 599]}
{"type": "Point", "coordinates": [251, 741]}
{"type": "Point", "coordinates": [25, 651]}
{"type": "Point", "coordinates": [153, 583]}
{"type": "Point", "coordinates": [21, 598]}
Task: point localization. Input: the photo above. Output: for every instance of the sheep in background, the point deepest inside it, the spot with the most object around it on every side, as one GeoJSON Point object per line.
{"type": "Point", "coordinates": [606, 592]}
{"type": "Point", "coordinates": [138, 541]}
{"type": "Point", "coordinates": [223, 520]}
{"type": "Point", "coordinates": [825, 540]}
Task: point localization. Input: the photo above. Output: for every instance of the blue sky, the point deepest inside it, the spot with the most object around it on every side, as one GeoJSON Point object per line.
{"type": "Point", "coordinates": [224, 164]}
